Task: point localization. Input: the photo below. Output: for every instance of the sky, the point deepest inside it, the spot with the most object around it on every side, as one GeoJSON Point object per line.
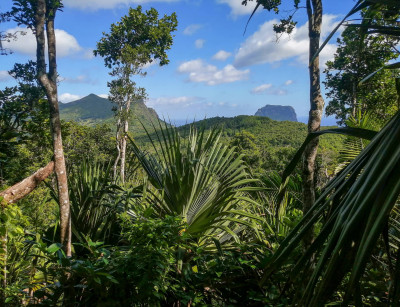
{"type": "Point", "coordinates": [215, 68]}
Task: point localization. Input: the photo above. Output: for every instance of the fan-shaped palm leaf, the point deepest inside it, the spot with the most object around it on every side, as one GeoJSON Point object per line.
{"type": "Point", "coordinates": [200, 179]}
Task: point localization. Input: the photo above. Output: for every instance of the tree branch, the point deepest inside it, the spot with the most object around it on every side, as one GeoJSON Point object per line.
{"type": "Point", "coordinates": [23, 188]}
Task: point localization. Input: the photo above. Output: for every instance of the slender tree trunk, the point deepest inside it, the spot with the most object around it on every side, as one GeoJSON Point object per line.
{"type": "Point", "coordinates": [123, 141]}
{"type": "Point", "coordinates": [49, 83]}
{"type": "Point", "coordinates": [314, 12]}
{"type": "Point", "coordinates": [118, 145]}
{"type": "Point", "coordinates": [354, 99]}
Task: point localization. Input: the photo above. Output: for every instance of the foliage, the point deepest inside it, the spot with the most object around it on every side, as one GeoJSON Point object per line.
{"type": "Point", "coordinates": [357, 203]}
{"type": "Point", "coordinates": [139, 38]}
{"type": "Point", "coordinates": [201, 180]}
{"type": "Point", "coordinates": [23, 117]}
{"type": "Point", "coordinates": [352, 62]}
{"type": "Point", "coordinates": [95, 143]}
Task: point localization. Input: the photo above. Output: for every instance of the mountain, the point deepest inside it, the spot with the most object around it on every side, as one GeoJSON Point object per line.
{"type": "Point", "coordinates": [277, 112]}
{"type": "Point", "coordinates": [92, 110]}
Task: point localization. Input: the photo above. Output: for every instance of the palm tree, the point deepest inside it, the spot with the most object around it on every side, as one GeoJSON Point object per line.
{"type": "Point", "coordinates": [201, 180]}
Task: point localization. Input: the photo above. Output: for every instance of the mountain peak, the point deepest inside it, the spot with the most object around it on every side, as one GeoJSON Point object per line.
{"type": "Point", "coordinates": [278, 112]}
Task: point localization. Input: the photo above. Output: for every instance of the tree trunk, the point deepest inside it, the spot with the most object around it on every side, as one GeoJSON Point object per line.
{"type": "Point", "coordinates": [314, 13]}
{"type": "Point", "coordinates": [123, 142]}
{"type": "Point", "coordinates": [23, 188]}
{"type": "Point", "coordinates": [354, 99]}
{"type": "Point", "coordinates": [118, 145]}
{"type": "Point", "coordinates": [49, 83]}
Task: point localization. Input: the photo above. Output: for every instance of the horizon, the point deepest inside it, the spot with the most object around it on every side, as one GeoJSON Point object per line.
{"type": "Point", "coordinates": [326, 121]}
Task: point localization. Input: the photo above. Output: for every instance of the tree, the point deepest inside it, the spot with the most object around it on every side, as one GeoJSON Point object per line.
{"type": "Point", "coordinates": [138, 39]}
{"type": "Point", "coordinates": [39, 15]}
{"type": "Point", "coordinates": [314, 14]}
{"type": "Point", "coordinates": [354, 60]}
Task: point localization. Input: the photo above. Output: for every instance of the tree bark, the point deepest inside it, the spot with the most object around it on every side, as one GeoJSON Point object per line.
{"type": "Point", "coordinates": [118, 146]}
{"type": "Point", "coordinates": [123, 142]}
{"type": "Point", "coordinates": [45, 15]}
{"type": "Point", "coordinates": [23, 188]}
{"type": "Point", "coordinates": [314, 13]}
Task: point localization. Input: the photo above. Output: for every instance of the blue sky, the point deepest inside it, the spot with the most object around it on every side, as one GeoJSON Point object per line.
{"type": "Point", "coordinates": [214, 69]}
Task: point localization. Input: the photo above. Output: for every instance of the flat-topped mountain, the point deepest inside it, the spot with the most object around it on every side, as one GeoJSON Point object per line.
{"type": "Point", "coordinates": [277, 112]}
{"type": "Point", "coordinates": [92, 109]}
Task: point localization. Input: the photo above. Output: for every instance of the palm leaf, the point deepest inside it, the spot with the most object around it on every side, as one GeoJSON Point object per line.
{"type": "Point", "coordinates": [357, 203]}
{"type": "Point", "coordinates": [198, 178]}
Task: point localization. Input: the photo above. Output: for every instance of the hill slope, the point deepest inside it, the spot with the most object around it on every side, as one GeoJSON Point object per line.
{"type": "Point", "coordinates": [92, 110]}
{"type": "Point", "coordinates": [275, 141]}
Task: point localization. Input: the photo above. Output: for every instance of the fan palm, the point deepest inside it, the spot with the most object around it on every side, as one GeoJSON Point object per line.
{"type": "Point", "coordinates": [201, 180]}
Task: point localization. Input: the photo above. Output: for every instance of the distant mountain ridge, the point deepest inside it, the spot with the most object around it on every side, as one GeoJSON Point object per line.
{"type": "Point", "coordinates": [90, 107]}
{"type": "Point", "coordinates": [277, 112]}
{"type": "Point", "coordinates": [92, 110]}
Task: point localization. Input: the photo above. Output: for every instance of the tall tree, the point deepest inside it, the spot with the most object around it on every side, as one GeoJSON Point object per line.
{"type": "Point", "coordinates": [39, 15]}
{"type": "Point", "coordinates": [354, 60]}
{"type": "Point", "coordinates": [314, 15]}
{"type": "Point", "coordinates": [138, 39]}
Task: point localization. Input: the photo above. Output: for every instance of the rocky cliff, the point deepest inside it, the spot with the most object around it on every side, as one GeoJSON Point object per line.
{"type": "Point", "coordinates": [277, 112]}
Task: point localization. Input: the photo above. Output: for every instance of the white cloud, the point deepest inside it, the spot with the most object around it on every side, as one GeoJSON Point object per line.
{"type": "Point", "coordinates": [268, 89]}
{"type": "Point", "coordinates": [263, 47]}
{"type": "Point", "coordinates": [199, 71]}
{"type": "Point", "coordinates": [221, 55]}
{"type": "Point", "coordinates": [199, 43]}
{"type": "Point", "coordinates": [261, 88]}
{"type": "Point", "coordinates": [26, 43]}
{"type": "Point", "coordinates": [4, 76]}
{"type": "Point", "coordinates": [237, 8]}
{"type": "Point", "coordinates": [103, 96]}
{"type": "Point", "coordinates": [67, 97]}
{"type": "Point", "coordinates": [288, 82]}
{"type": "Point", "coordinates": [107, 4]}
{"type": "Point", "coordinates": [191, 29]}
{"type": "Point", "coordinates": [181, 101]}
{"type": "Point", "coordinates": [77, 80]}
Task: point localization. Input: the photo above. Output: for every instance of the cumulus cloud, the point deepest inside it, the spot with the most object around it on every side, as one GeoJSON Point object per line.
{"type": "Point", "coordinates": [67, 97]}
{"type": "Point", "coordinates": [181, 101]}
{"type": "Point", "coordinates": [103, 96]}
{"type": "Point", "coordinates": [261, 88]}
{"type": "Point", "coordinates": [199, 71]}
{"type": "Point", "coordinates": [237, 8]}
{"type": "Point", "coordinates": [26, 42]}
{"type": "Point", "coordinates": [77, 80]}
{"type": "Point", "coordinates": [221, 55]}
{"type": "Point", "coordinates": [191, 29]}
{"type": "Point", "coordinates": [269, 89]}
{"type": "Point", "coordinates": [288, 82]}
{"type": "Point", "coordinates": [107, 4]}
{"type": "Point", "coordinates": [263, 47]}
{"type": "Point", "coordinates": [4, 76]}
{"type": "Point", "coordinates": [199, 43]}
